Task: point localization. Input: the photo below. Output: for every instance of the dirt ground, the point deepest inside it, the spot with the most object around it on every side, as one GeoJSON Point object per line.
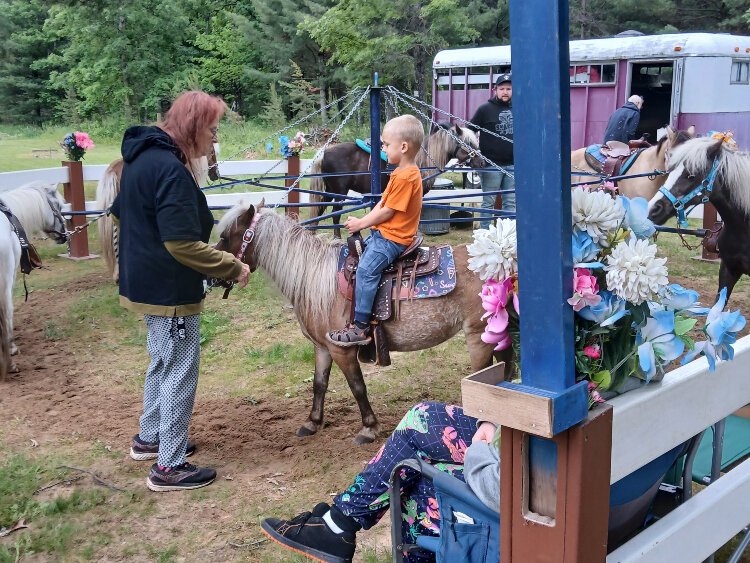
{"type": "Point", "coordinates": [62, 402]}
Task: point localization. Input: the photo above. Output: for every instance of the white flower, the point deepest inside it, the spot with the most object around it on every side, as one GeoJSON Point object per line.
{"type": "Point", "coordinates": [494, 251]}
{"type": "Point", "coordinates": [597, 214]}
{"type": "Point", "coordinates": [634, 273]}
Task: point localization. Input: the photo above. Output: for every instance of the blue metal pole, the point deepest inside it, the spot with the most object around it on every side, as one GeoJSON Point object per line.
{"type": "Point", "coordinates": [541, 113]}
{"type": "Point", "coordinates": [375, 187]}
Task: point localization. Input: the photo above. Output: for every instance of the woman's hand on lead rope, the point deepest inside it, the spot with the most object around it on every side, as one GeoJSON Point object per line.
{"type": "Point", "coordinates": [244, 276]}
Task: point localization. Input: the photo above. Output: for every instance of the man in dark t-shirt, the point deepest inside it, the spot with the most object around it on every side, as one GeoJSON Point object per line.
{"type": "Point", "coordinates": [496, 116]}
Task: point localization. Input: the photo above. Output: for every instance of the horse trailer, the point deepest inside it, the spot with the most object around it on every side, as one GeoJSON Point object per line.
{"type": "Point", "coordinates": [700, 79]}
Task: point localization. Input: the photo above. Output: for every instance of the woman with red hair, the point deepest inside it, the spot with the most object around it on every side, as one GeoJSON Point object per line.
{"type": "Point", "coordinates": [164, 259]}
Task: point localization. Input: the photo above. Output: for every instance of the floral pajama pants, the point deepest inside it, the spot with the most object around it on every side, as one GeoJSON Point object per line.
{"type": "Point", "coordinates": [434, 432]}
{"type": "Point", "coordinates": [169, 390]}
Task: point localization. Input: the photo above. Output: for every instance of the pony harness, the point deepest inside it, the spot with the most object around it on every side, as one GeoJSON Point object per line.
{"type": "Point", "coordinates": [703, 189]}
{"type": "Point", "coordinates": [29, 257]}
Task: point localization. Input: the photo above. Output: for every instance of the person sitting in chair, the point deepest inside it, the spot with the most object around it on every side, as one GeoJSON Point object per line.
{"type": "Point", "coordinates": [452, 442]}
{"type": "Point", "coordinates": [393, 223]}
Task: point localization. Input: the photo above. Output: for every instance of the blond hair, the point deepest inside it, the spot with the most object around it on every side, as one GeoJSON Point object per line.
{"type": "Point", "coordinates": [408, 129]}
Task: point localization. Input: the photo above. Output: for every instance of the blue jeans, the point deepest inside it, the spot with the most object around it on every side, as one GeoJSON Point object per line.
{"type": "Point", "coordinates": [492, 181]}
{"type": "Point", "coordinates": [378, 255]}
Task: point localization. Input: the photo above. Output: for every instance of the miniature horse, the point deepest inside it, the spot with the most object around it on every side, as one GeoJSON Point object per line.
{"type": "Point", "coordinates": [691, 167]}
{"type": "Point", "coordinates": [438, 150]}
{"type": "Point", "coordinates": [304, 267]}
{"type": "Point", "coordinates": [649, 160]}
{"type": "Point", "coordinates": [38, 209]}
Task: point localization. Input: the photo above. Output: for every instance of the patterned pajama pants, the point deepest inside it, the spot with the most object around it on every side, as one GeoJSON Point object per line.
{"type": "Point", "coordinates": [435, 432]}
{"type": "Point", "coordinates": [171, 379]}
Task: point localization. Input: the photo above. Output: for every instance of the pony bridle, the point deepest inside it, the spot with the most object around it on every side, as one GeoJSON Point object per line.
{"type": "Point", "coordinates": [704, 189]}
{"type": "Point", "coordinates": [247, 238]}
{"type": "Point", "coordinates": [469, 155]}
{"type": "Point", "coordinates": [61, 235]}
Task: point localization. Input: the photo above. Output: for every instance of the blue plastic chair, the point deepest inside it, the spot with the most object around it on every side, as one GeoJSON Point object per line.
{"type": "Point", "coordinates": [479, 542]}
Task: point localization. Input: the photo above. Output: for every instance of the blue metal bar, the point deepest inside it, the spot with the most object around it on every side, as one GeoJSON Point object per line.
{"type": "Point", "coordinates": [375, 187]}
{"type": "Point", "coordinates": [335, 214]}
{"type": "Point", "coordinates": [541, 112]}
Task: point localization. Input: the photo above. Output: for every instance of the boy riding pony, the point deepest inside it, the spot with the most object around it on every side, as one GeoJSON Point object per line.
{"type": "Point", "coordinates": [393, 223]}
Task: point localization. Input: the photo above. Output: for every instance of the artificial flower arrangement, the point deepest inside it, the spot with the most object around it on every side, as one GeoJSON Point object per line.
{"type": "Point", "coordinates": [76, 144]}
{"type": "Point", "coordinates": [294, 146]}
{"type": "Point", "coordinates": [629, 320]}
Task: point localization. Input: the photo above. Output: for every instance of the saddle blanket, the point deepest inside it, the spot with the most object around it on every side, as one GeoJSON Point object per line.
{"type": "Point", "coordinates": [437, 284]}
{"type": "Point", "coordinates": [365, 146]}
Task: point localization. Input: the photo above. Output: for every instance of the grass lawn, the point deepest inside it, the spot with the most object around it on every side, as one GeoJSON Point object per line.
{"type": "Point", "coordinates": [76, 403]}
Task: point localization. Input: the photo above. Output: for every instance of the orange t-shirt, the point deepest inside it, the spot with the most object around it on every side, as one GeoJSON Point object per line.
{"type": "Point", "coordinates": [404, 196]}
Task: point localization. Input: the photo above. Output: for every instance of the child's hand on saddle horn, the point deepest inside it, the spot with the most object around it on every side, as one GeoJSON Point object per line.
{"type": "Point", "coordinates": [353, 224]}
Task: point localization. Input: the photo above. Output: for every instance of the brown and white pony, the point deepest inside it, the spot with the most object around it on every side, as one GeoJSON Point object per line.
{"type": "Point", "coordinates": [651, 159]}
{"type": "Point", "coordinates": [304, 267]}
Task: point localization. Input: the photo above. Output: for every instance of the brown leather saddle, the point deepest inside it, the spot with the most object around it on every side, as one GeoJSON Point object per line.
{"type": "Point", "coordinates": [711, 238]}
{"type": "Point", "coordinates": [29, 257]}
{"type": "Point", "coordinates": [396, 284]}
{"type": "Point", "coordinates": [616, 154]}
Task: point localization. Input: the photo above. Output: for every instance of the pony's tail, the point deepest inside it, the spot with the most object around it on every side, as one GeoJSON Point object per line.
{"type": "Point", "coordinates": [317, 185]}
{"type": "Point", "coordinates": [5, 338]}
{"type": "Point", "coordinates": [106, 191]}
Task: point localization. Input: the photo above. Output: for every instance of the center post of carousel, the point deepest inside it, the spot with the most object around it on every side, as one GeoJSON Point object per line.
{"type": "Point", "coordinates": [555, 454]}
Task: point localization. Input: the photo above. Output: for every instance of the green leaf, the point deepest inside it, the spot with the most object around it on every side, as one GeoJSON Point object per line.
{"type": "Point", "coordinates": [683, 325]}
{"type": "Point", "coordinates": [602, 378]}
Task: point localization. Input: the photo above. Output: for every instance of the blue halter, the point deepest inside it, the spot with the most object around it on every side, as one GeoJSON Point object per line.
{"type": "Point", "coordinates": [704, 188]}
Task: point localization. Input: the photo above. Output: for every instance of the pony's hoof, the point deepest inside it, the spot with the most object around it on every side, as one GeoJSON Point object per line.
{"type": "Point", "coordinates": [13, 368]}
{"type": "Point", "coordinates": [13, 349]}
{"type": "Point", "coordinates": [304, 431]}
{"type": "Point", "coordinates": [362, 439]}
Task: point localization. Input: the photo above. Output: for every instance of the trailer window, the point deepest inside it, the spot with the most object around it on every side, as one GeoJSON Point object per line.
{"type": "Point", "coordinates": [582, 75]}
{"type": "Point", "coordinates": [740, 74]}
{"type": "Point", "coordinates": [442, 79]}
{"type": "Point", "coordinates": [458, 78]}
{"type": "Point", "coordinates": [479, 78]}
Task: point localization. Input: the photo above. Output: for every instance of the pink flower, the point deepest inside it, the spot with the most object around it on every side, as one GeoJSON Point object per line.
{"type": "Point", "coordinates": [83, 140]}
{"type": "Point", "coordinates": [594, 394]}
{"type": "Point", "coordinates": [585, 289]}
{"type": "Point", "coordinates": [495, 296]}
{"type": "Point", "coordinates": [593, 352]}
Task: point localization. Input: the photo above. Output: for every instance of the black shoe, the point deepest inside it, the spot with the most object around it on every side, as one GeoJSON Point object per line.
{"type": "Point", "coordinates": [182, 477]}
{"type": "Point", "coordinates": [140, 450]}
{"type": "Point", "coordinates": [310, 536]}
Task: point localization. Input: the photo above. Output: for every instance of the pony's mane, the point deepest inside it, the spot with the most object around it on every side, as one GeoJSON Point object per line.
{"type": "Point", "coordinates": [30, 204]}
{"type": "Point", "coordinates": [733, 169]}
{"type": "Point", "coordinates": [301, 264]}
{"type": "Point", "coordinates": [440, 145]}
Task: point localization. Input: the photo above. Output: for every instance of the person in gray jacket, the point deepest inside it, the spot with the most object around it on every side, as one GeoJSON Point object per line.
{"type": "Point", "coordinates": [441, 434]}
{"type": "Point", "coordinates": [623, 123]}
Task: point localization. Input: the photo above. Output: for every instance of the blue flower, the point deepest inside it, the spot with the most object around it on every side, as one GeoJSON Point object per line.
{"type": "Point", "coordinates": [607, 312]}
{"type": "Point", "coordinates": [721, 329]}
{"type": "Point", "coordinates": [269, 147]}
{"type": "Point", "coordinates": [674, 297]}
{"type": "Point", "coordinates": [285, 152]}
{"type": "Point", "coordinates": [636, 217]}
{"type": "Point", "coordinates": [584, 247]}
{"type": "Point", "coordinates": [657, 343]}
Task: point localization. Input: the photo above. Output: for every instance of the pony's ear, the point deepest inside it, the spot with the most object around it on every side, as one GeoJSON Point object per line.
{"type": "Point", "coordinates": [691, 131]}
{"type": "Point", "coordinates": [670, 134]}
{"type": "Point", "coordinates": [457, 129]}
{"type": "Point", "coordinates": [261, 205]}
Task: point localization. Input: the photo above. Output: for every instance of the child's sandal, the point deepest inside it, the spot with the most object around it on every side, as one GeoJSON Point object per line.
{"type": "Point", "coordinates": [350, 335]}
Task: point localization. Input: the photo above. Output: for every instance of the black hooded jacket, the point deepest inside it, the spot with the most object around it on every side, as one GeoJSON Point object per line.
{"type": "Point", "coordinates": [623, 123]}
{"type": "Point", "coordinates": [158, 201]}
{"type": "Point", "coordinates": [495, 115]}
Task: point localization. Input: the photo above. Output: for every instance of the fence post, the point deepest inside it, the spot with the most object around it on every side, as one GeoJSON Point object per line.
{"type": "Point", "coordinates": [375, 187]}
{"type": "Point", "coordinates": [292, 173]}
{"type": "Point", "coordinates": [78, 245]}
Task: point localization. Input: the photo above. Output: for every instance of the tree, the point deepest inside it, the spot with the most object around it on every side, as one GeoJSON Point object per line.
{"type": "Point", "coordinates": [23, 85]}
{"type": "Point", "coordinates": [396, 37]}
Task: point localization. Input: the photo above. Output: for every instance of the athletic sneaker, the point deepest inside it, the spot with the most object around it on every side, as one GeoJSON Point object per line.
{"type": "Point", "coordinates": [140, 450]}
{"type": "Point", "coordinates": [180, 478]}
{"type": "Point", "coordinates": [309, 535]}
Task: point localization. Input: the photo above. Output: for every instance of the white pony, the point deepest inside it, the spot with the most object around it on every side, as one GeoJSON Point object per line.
{"type": "Point", "coordinates": [106, 191]}
{"type": "Point", "coordinates": [38, 208]}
